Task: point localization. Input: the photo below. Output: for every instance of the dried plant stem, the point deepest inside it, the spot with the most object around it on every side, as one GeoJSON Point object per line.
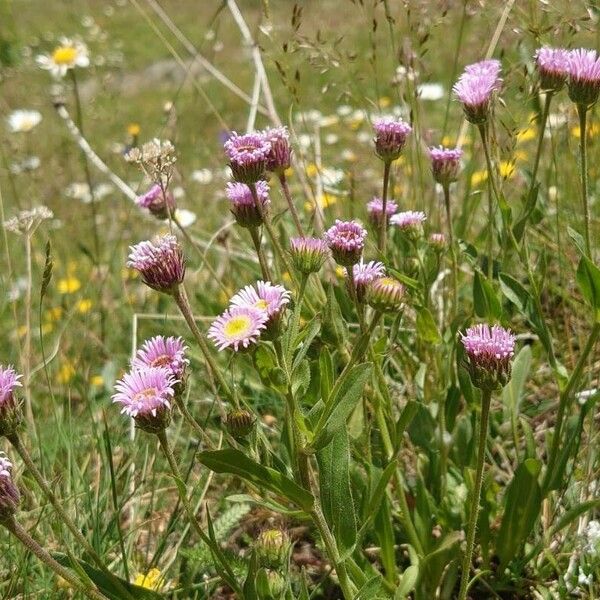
{"type": "Point", "coordinates": [290, 202]}
{"type": "Point", "coordinates": [382, 242]}
{"type": "Point", "coordinates": [17, 530]}
{"type": "Point", "coordinates": [15, 440]}
{"type": "Point", "coordinates": [582, 112]}
{"type": "Point", "coordinates": [486, 398]}
{"type": "Point", "coordinates": [183, 303]}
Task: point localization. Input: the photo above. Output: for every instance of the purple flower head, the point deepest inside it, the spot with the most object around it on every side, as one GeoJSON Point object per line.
{"type": "Point", "coordinates": [248, 155]}
{"type": "Point", "coordinates": [475, 89]}
{"type": "Point", "coordinates": [155, 202]}
{"type": "Point", "coordinates": [9, 493]}
{"type": "Point", "coordinates": [445, 164]}
{"type": "Point", "coordinates": [553, 66]}
{"type": "Point", "coordinates": [409, 222]}
{"type": "Point", "coordinates": [163, 352]}
{"type": "Point", "coordinates": [390, 137]}
{"type": "Point", "coordinates": [10, 409]}
{"type": "Point", "coordinates": [243, 205]}
{"type": "Point", "coordinates": [145, 395]}
{"type": "Point", "coordinates": [437, 241]}
{"type": "Point", "coordinates": [364, 273]}
{"type": "Point", "coordinates": [346, 240]}
{"type": "Point", "coordinates": [160, 263]}
{"type": "Point", "coordinates": [238, 326]}
{"type": "Point", "coordinates": [375, 210]}
{"type": "Point", "coordinates": [308, 254]}
{"type": "Point", "coordinates": [489, 351]}
{"type": "Point", "coordinates": [584, 76]}
{"type": "Point", "coordinates": [385, 294]}
{"type": "Point", "coordinates": [280, 156]}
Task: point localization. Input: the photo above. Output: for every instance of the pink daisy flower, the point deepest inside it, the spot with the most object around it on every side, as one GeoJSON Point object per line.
{"type": "Point", "coordinates": [346, 240]}
{"type": "Point", "coordinates": [475, 89]}
{"type": "Point", "coordinates": [553, 66]}
{"type": "Point", "coordinates": [243, 206]}
{"type": "Point", "coordinates": [584, 76]}
{"type": "Point", "coordinates": [280, 156]}
{"type": "Point", "coordinates": [9, 493]}
{"type": "Point", "coordinates": [375, 210]}
{"type": "Point", "coordinates": [390, 137]}
{"type": "Point", "coordinates": [364, 273]}
{"type": "Point", "coordinates": [264, 296]}
{"type": "Point", "coordinates": [10, 410]}
{"type": "Point", "coordinates": [160, 262]}
{"type": "Point", "coordinates": [238, 327]}
{"type": "Point", "coordinates": [445, 164]}
{"type": "Point", "coordinates": [155, 202]}
{"type": "Point", "coordinates": [248, 155]}
{"type": "Point", "coordinates": [165, 352]}
{"type": "Point", "coordinates": [146, 394]}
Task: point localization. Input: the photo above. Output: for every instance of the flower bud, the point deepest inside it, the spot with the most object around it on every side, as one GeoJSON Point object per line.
{"type": "Point", "coordinates": [247, 156]}
{"type": "Point", "coordinates": [385, 294]}
{"type": "Point", "coordinates": [308, 254]}
{"type": "Point", "coordinates": [9, 493]}
{"type": "Point", "coordinates": [272, 548]}
{"type": "Point", "coordinates": [10, 406]}
{"type": "Point", "coordinates": [346, 240]}
{"type": "Point", "coordinates": [240, 423]}
{"type": "Point", "coordinates": [410, 223]}
{"type": "Point", "coordinates": [243, 204]}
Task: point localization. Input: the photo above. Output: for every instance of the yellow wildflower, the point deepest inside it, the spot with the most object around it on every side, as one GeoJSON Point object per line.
{"type": "Point", "coordinates": [69, 285]}
{"type": "Point", "coordinates": [478, 177]}
{"type": "Point", "coordinates": [54, 313]}
{"type": "Point", "coordinates": [312, 170]}
{"type": "Point", "coordinates": [340, 271]}
{"type": "Point", "coordinates": [84, 305]}
{"type": "Point", "coordinates": [384, 101]}
{"type": "Point", "coordinates": [526, 134]}
{"type": "Point", "coordinates": [324, 200]}
{"type": "Point", "coordinates": [153, 580]}
{"type": "Point", "coordinates": [289, 172]}
{"type": "Point", "coordinates": [133, 129]}
{"type": "Point", "coordinates": [507, 169]}
{"type": "Point", "coordinates": [97, 380]}
{"type": "Point", "coordinates": [65, 373]}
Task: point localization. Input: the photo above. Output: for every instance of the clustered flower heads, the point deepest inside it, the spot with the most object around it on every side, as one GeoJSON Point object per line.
{"type": "Point", "coordinates": [243, 204]}
{"type": "Point", "coordinates": [409, 222]}
{"type": "Point", "coordinates": [160, 263]}
{"type": "Point", "coordinates": [156, 158]}
{"type": "Point", "coordinates": [445, 164]}
{"type": "Point", "coordinates": [254, 312]}
{"type": "Point", "coordinates": [146, 395]}
{"type": "Point", "coordinates": [9, 493]}
{"type": "Point", "coordinates": [390, 137]}
{"type": "Point", "coordinates": [27, 221]}
{"type": "Point", "coordinates": [553, 67]}
{"type": "Point", "coordinates": [308, 254]}
{"type": "Point", "coordinates": [489, 351]}
{"type": "Point", "coordinates": [10, 410]}
{"type": "Point", "coordinates": [437, 241]}
{"type": "Point", "coordinates": [584, 76]}
{"type": "Point", "coordinates": [375, 210]}
{"type": "Point", "coordinates": [346, 240]}
{"type": "Point", "coordinates": [364, 274]}
{"type": "Point", "coordinates": [476, 87]}
{"type": "Point", "coordinates": [161, 205]}
{"type": "Point", "coordinates": [280, 155]}
{"type": "Point", "coordinates": [248, 155]}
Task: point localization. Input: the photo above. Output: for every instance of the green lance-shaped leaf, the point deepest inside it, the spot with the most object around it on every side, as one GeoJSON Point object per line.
{"type": "Point", "coordinates": [235, 462]}
{"type": "Point", "coordinates": [522, 504]}
{"type": "Point", "coordinates": [340, 404]}
{"type": "Point", "coordinates": [588, 278]}
{"type": "Point", "coordinates": [485, 300]}
{"type": "Point", "coordinates": [336, 490]}
{"type": "Point", "coordinates": [108, 585]}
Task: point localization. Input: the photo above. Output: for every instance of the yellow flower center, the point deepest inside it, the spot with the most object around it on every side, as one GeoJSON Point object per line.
{"type": "Point", "coordinates": [262, 304]}
{"type": "Point", "coordinates": [237, 326]}
{"type": "Point", "coordinates": [64, 55]}
{"type": "Point", "coordinates": [387, 281]}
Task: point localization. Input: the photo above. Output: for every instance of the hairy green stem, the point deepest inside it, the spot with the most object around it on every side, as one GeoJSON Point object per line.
{"type": "Point", "coordinates": [446, 188]}
{"type": "Point", "coordinates": [582, 112]}
{"type": "Point", "coordinates": [486, 398]}
{"type": "Point", "coordinates": [264, 266]}
{"type": "Point", "coordinates": [168, 452]}
{"type": "Point", "coordinates": [290, 202]}
{"type": "Point", "coordinates": [15, 440]}
{"type": "Point", "coordinates": [562, 406]}
{"type": "Point", "coordinates": [382, 240]}
{"type": "Point", "coordinates": [183, 303]}
{"type": "Point", "coordinates": [69, 576]}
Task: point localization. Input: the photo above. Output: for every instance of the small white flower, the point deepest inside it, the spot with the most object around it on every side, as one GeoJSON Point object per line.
{"type": "Point", "coordinates": [331, 138]}
{"type": "Point", "coordinates": [23, 121]}
{"type": "Point", "coordinates": [185, 217]}
{"type": "Point", "coordinates": [202, 176]}
{"type": "Point", "coordinates": [29, 163]}
{"type": "Point", "coordinates": [344, 110]}
{"type": "Point", "coordinates": [178, 192]}
{"type": "Point", "coordinates": [364, 137]}
{"type": "Point", "coordinates": [68, 55]}
{"type": "Point", "coordinates": [430, 91]}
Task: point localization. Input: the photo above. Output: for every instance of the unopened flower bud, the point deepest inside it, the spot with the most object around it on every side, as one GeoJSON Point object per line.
{"type": "Point", "coordinates": [239, 423]}
{"type": "Point", "coordinates": [308, 254]}
{"type": "Point", "coordinates": [385, 294]}
{"type": "Point", "coordinates": [273, 548]}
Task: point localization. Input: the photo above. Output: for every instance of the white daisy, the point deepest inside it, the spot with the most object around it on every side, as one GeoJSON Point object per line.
{"type": "Point", "coordinates": [22, 121]}
{"type": "Point", "coordinates": [68, 55]}
{"type": "Point", "coordinates": [185, 217]}
{"type": "Point", "coordinates": [431, 91]}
